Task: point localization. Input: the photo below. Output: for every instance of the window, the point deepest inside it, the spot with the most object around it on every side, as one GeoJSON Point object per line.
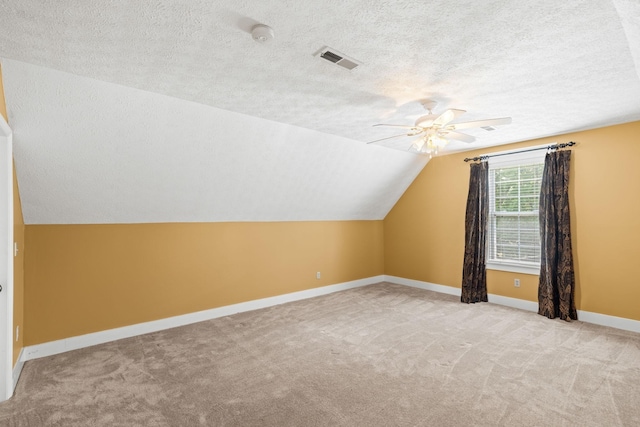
{"type": "Point", "coordinates": [514, 194]}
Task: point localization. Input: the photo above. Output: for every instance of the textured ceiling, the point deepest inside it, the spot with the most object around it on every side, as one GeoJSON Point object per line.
{"type": "Point", "coordinates": [554, 67]}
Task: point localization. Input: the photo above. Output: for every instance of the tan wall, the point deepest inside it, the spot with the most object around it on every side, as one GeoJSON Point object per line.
{"type": "Point", "coordinates": [88, 278]}
{"type": "Point", "coordinates": [424, 232]}
{"type": "Point", "coordinates": [18, 263]}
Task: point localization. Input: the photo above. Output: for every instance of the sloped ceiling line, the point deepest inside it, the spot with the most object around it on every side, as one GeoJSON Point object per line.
{"type": "Point", "coordinates": [95, 152]}
{"type": "Point", "coordinates": [629, 11]}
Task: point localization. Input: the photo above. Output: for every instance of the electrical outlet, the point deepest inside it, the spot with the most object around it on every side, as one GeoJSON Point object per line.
{"type": "Point", "coordinates": [318, 275]}
{"type": "Point", "coordinates": [17, 332]}
{"type": "Point", "coordinates": [516, 283]}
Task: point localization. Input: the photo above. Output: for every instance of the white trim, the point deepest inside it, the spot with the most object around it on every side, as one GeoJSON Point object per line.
{"type": "Point", "coordinates": [82, 341]}
{"type": "Point", "coordinates": [423, 285]}
{"type": "Point", "coordinates": [518, 153]}
{"type": "Point", "coordinates": [514, 268]}
{"type": "Point", "coordinates": [583, 316]}
{"type": "Point", "coordinates": [60, 346]}
{"type": "Point", "coordinates": [17, 370]}
{"type": "Point", "coordinates": [521, 304]}
{"type": "Point", "coordinates": [6, 254]}
{"type": "Point", "coordinates": [611, 321]}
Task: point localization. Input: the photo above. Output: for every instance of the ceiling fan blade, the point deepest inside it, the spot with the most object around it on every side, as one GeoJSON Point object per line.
{"type": "Point", "coordinates": [447, 116]}
{"type": "Point", "coordinates": [459, 136]}
{"type": "Point", "coordinates": [396, 126]}
{"type": "Point", "coordinates": [389, 137]}
{"type": "Point", "coordinates": [417, 143]}
{"type": "Point", "coordinates": [480, 123]}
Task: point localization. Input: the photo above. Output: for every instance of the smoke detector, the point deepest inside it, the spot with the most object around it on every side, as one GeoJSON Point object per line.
{"type": "Point", "coordinates": [262, 33]}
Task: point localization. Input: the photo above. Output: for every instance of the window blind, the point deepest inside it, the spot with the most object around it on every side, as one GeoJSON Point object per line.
{"type": "Point", "coordinates": [514, 194]}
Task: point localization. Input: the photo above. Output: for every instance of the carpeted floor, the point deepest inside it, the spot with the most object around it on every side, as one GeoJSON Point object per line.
{"type": "Point", "coordinates": [382, 355]}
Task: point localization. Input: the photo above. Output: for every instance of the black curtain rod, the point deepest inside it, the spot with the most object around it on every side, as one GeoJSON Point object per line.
{"type": "Point", "coordinates": [548, 147]}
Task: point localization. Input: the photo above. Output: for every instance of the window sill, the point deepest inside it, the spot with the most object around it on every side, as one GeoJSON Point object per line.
{"type": "Point", "coordinates": [514, 268]}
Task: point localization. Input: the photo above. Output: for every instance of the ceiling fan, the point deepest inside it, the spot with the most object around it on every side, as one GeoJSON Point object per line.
{"type": "Point", "coordinates": [435, 130]}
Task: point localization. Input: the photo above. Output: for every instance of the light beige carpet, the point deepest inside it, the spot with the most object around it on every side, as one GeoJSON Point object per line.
{"type": "Point", "coordinates": [382, 355]}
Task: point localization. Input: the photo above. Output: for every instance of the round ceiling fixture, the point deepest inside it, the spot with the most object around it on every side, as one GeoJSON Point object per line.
{"type": "Point", "coordinates": [435, 130]}
{"type": "Point", "coordinates": [262, 33]}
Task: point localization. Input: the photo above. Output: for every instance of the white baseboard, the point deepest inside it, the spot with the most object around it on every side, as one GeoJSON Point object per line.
{"type": "Point", "coordinates": [82, 341]}
{"type": "Point", "coordinates": [522, 304]}
{"type": "Point", "coordinates": [423, 285]}
{"type": "Point", "coordinates": [17, 370]}
{"type": "Point", "coordinates": [583, 316]}
{"type": "Point", "coordinates": [612, 321]}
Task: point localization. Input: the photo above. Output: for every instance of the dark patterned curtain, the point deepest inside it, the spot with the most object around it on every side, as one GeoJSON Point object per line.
{"type": "Point", "coordinates": [474, 273]}
{"type": "Point", "coordinates": [557, 283]}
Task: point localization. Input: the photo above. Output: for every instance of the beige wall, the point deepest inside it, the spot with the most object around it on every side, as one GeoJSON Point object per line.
{"type": "Point", "coordinates": [88, 278]}
{"type": "Point", "coordinates": [424, 232]}
{"type": "Point", "coordinates": [18, 263]}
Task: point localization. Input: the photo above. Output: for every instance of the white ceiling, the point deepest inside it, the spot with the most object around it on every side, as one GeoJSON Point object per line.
{"type": "Point", "coordinates": [94, 152]}
{"type": "Point", "coordinates": [169, 111]}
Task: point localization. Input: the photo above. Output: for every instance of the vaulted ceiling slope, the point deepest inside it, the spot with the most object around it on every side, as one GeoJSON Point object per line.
{"type": "Point", "coordinates": [88, 151]}
{"type": "Point", "coordinates": [169, 111]}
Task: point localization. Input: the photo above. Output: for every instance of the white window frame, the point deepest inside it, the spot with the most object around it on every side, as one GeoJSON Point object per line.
{"type": "Point", "coordinates": [514, 159]}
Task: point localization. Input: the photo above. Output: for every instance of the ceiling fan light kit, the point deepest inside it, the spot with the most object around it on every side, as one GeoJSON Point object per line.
{"type": "Point", "coordinates": [429, 144]}
{"type": "Point", "coordinates": [436, 130]}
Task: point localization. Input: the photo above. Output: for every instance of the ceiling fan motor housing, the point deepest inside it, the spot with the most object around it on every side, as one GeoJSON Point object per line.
{"type": "Point", "coordinates": [426, 120]}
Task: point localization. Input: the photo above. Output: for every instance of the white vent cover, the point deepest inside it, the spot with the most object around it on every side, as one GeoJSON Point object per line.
{"type": "Point", "coordinates": [338, 58]}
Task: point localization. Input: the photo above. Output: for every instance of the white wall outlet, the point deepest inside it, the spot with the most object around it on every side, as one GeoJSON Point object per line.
{"type": "Point", "coordinates": [516, 283]}
{"type": "Point", "coordinates": [17, 332]}
{"type": "Point", "coordinates": [318, 275]}
{"type": "Point", "coordinates": [15, 249]}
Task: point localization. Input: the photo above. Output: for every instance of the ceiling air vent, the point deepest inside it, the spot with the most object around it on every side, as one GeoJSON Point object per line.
{"type": "Point", "coordinates": [337, 58]}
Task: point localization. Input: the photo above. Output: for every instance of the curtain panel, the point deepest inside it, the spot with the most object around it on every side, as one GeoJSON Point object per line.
{"type": "Point", "coordinates": [556, 289]}
{"type": "Point", "coordinates": [474, 273]}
